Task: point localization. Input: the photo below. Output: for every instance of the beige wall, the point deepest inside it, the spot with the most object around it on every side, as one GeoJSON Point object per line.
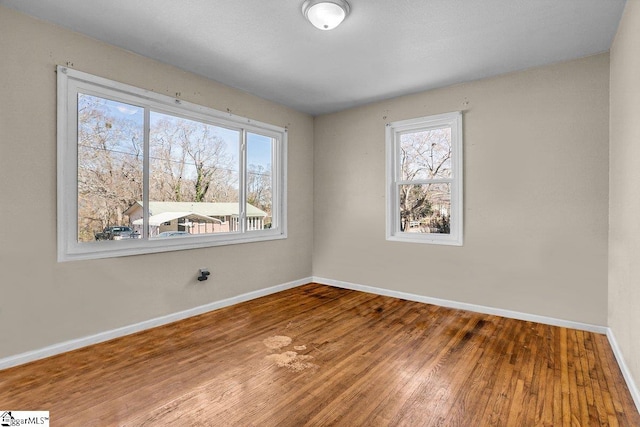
{"type": "Point", "coordinates": [43, 302]}
{"type": "Point", "coordinates": [536, 195]}
{"type": "Point", "coordinates": [624, 189]}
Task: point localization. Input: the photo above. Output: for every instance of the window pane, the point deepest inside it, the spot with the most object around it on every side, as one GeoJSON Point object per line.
{"type": "Point", "coordinates": [425, 208]}
{"type": "Point", "coordinates": [425, 154]}
{"type": "Point", "coordinates": [110, 161]}
{"type": "Point", "coordinates": [259, 182]}
{"type": "Point", "coordinates": [193, 180]}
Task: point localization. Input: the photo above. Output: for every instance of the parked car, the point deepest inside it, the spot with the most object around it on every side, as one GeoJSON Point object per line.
{"type": "Point", "coordinates": [117, 232]}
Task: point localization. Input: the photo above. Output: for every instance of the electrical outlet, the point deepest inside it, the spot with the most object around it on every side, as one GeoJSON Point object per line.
{"type": "Point", "coordinates": [204, 274]}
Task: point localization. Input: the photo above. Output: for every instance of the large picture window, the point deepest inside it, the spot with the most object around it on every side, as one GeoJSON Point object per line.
{"type": "Point", "coordinates": [424, 180]}
{"type": "Point", "coordinates": [140, 172]}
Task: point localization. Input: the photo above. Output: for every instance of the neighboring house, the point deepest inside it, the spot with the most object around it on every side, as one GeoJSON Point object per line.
{"type": "Point", "coordinates": [195, 218]}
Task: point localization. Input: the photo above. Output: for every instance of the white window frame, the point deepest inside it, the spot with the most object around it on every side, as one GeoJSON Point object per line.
{"type": "Point", "coordinates": [70, 82]}
{"type": "Point", "coordinates": [393, 132]}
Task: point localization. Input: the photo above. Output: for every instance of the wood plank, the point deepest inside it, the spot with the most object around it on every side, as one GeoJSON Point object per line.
{"type": "Point", "coordinates": [342, 358]}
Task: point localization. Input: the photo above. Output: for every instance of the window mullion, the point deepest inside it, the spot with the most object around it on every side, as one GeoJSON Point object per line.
{"type": "Point", "coordinates": [397, 174]}
{"type": "Point", "coordinates": [71, 155]}
{"type": "Point", "coordinates": [396, 208]}
{"type": "Point", "coordinates": [145, 174]}
{"type": "Point", "coordinates": [243, 181]}
{"type": "Point", "coordinates": [275, 186]}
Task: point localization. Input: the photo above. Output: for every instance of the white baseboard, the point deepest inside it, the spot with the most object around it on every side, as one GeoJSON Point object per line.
{"type": "Point", "coordinates": [52, 350]}
{"type": "Point", "coordinates": [464, 306]}
{"type": "Point", "coordinates": [631, 385]}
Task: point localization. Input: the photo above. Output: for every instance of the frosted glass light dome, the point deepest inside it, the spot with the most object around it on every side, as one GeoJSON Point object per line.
{"type": "Point", "coordinates": [325, 14]}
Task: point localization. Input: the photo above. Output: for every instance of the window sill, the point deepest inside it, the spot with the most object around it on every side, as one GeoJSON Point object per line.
{"type": "Point", "coordinates": [119, 248]}
{"type": "Point", "coordinates": [429, 239]}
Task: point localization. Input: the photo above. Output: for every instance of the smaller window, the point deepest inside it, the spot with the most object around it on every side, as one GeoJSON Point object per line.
{"type": "Point", "coordinates": [424, 180]}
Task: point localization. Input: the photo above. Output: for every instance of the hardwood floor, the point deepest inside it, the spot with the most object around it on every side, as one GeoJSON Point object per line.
{"type": "Point", "coordinates": [317, 355]}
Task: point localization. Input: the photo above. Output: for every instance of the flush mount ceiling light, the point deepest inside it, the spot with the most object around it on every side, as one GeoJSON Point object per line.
{"type": "Point", "coordinates": [325, 14]}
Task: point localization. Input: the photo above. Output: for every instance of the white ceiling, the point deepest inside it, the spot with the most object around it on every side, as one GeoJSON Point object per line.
{"type": "Point", "coordinates": [383, 49]}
